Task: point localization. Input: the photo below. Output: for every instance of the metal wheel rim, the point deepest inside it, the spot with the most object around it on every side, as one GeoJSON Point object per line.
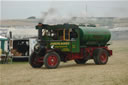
{"type": "Point", "coordinates": [52, 60]}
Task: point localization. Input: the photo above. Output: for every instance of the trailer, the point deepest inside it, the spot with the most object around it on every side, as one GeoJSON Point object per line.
{"type": "Point", "coordinates": [22, 48]}
{"type": "Point", "coordinates": [20, 42]}
{"type": "Point", "coordinates": [70, 42]}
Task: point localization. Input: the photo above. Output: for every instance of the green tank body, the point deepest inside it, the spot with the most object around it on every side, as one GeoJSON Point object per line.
{"type": "Point", "coordinates": [93, 36]}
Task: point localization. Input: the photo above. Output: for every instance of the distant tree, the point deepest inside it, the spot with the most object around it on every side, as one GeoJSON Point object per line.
{"type": "Point", "coordinates": [32, 17]}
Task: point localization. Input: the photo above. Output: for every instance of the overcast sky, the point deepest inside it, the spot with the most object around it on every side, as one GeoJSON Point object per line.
{"type": "Point", "coordinates": [94, 8]}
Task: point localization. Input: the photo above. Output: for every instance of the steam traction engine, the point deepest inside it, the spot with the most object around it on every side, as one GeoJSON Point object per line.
{"type": "Point", "coordinates": [70, 42]}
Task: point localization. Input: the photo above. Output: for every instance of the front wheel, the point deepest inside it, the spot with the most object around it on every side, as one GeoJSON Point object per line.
{"type": "Point", "coordinates": [33, 61]}
{"type": "Point", "coordinates": [51, 60]}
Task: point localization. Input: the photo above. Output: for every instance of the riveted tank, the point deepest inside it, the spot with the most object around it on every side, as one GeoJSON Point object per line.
{"type": "Point", "coordinates": [94, 36]}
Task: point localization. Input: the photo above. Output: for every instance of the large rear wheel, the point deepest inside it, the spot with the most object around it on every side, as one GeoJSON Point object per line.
{"type": "Point", "coordinates": [100, 56]}
{"type": "Point", "coordinates": [51, 60]}
{"type": "Point", "coordinates": [33, 61]}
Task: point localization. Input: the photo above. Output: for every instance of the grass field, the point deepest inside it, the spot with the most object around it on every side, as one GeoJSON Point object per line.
{"type": "Point", "coordinates": [115, 72]}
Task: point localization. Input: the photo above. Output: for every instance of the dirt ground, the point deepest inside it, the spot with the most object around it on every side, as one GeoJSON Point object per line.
{"type": "Point", "coordinates": [115, 72]}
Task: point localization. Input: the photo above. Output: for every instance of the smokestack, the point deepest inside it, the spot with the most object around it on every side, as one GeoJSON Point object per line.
{"type": "Point", "coordinates": [39, 27]}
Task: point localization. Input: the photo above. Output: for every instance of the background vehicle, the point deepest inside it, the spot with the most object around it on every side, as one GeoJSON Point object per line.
{"type": "Point", "coordinates": [70, 42]}
{"type": "Point", "coordinates": [22, 48]}
{"type": "Point", "coordinates": [4, 51]}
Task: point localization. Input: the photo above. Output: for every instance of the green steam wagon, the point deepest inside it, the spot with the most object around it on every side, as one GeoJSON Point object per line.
{"type": "Point", "coordinates": [70, 42]}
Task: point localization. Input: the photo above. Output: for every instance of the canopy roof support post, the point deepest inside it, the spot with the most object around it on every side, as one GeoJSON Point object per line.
{"type": "Point", "coordinates": [2, 45]}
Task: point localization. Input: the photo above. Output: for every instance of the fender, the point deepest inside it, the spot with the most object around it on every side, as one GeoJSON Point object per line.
{"type": "Point", "coordinates": [48, 51]}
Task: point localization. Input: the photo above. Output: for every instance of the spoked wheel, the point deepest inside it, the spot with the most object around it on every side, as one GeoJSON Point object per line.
{"type": "Point", "coordinates": [33, 61]}
{"type": "Point", "coordinates": [100, 56]}
{"type": "Point", "coordinates": [51, 60]}
{"type": "Point", "coordinates": [80, 61]}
